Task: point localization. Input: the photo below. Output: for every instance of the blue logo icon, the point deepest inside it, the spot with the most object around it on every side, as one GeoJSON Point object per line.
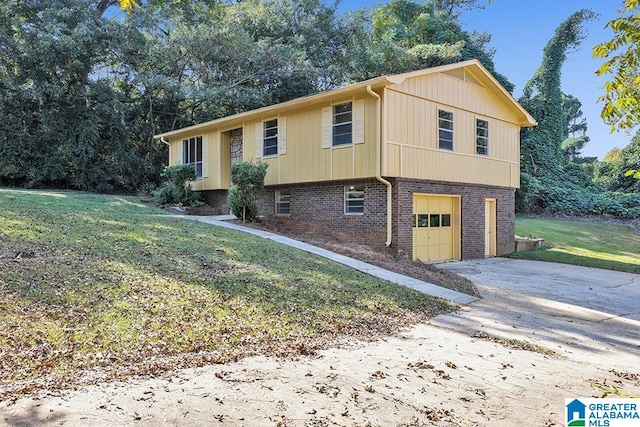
{"type": "Point", "coordinates": [576, 414]}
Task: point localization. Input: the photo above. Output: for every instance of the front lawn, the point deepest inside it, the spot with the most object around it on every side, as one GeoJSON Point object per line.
{"type": "Point", "coordinates": [96, 287]}
{"type": "Point", "coordinates": [591, 243]}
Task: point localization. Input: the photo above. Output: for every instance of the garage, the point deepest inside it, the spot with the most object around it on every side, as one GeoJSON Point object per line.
{"type": "Point", "coordinates": [436, 227]}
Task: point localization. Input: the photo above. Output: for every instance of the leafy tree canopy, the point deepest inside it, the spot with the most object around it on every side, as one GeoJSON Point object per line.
{"type": "Point", "coordinates": [621, 109]}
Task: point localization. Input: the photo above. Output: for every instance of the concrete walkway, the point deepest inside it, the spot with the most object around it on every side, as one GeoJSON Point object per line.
{"type": "Point", "coordinates": [381, 273]}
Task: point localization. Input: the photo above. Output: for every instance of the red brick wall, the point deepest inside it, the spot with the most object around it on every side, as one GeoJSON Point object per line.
{"type": "Point", "coordinates": [319, 208]}
{"type": "Point", "coordinates": [217, 199]}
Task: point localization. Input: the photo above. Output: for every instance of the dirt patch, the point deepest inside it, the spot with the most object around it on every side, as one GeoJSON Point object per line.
{"type": "Point", "coordinates": [427, 376]}
{"type": "Point", "coordinates": [376, 254]}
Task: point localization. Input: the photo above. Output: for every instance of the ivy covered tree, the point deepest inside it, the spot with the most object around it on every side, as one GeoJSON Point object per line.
{"type": "Point", "coordinates": [543, 98]}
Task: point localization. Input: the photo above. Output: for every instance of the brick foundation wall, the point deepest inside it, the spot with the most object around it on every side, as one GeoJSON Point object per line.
{"type": "Point", "coordinates": [472, 210]}
{"type": "Point", "coordinates": [319, 207]}
{"type": "Point", "coordinates": [217, 199]}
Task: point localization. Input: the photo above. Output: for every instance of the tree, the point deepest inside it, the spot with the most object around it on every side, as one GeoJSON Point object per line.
{"type": "Point", "coordinates": [621, 109]}
{"type": "Point", "coordinates": [574, 122]}
{"type": "Point", "coordinates": [404, 35]}
{"type": "Point", "coordinates": [62, 125]}
{"type": "Point", "coordinates": [543, 98]}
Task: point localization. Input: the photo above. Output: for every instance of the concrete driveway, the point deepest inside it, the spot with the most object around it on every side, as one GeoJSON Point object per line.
{"type": "Point", "coordinates": [584, 313]}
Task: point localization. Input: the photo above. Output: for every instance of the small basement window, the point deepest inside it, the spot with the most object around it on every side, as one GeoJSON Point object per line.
{"type": "Point", "coordinates": [283, 202]}
{"type": "Point", "coordinates": [354, 199]}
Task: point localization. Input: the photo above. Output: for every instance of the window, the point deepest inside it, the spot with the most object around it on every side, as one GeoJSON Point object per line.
{"type": "Point", "coordinates": [192, 154]}
{"type": "Point", "coordinates": [283, 202]}
{"type": "Point", "coordinates": [445, 130]}
{"type": "Point", "coordinates": [431, 220]}
{"type": "Point", "coordinates": [482, 137]}
{"type": "Point", "coordinates": [270, 138]}
{"type": "Point", "coordinates": [354, 199]}
{"type": "Point", "coordinates": [342, 124]}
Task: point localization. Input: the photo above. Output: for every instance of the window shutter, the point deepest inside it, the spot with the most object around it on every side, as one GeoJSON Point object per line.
{"type": "Point", "coordinates": [358, 121]}
{"type": "Point", "coordinates": [205, 156]}
{"type": "Point", "coordinates": [282, 135]}
{"type": "Point", "coordinates": [180, 159]}
{"type": "Point", "coordinates": [259, 140]}
{"type": "Point", "coordinates": [326, 127]}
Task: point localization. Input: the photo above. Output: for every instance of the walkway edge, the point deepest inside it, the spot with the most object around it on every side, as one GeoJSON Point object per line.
{"type": "Point", "coordinates": [381, 273]}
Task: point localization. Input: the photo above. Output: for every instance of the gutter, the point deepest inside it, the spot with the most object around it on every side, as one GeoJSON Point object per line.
{"type": "Point", "coordinates": [378, 166]}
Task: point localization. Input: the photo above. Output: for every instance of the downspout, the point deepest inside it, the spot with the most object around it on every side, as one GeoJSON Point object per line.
{"type": "Point", "coordinates": [167, 143]}
{"type": "Point", "coordinates": [378, 166]}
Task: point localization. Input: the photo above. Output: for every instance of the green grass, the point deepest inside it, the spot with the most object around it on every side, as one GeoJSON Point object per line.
{"type": "Point", "coordinates": [589, 244]}
{"type": "Point", "coordinates": [107, 287]}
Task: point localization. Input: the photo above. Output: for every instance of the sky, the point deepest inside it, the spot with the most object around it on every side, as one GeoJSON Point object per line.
{"type": "Point", "coordinates": [520, 29]}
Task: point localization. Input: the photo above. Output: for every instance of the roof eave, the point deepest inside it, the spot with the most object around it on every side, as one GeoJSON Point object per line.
{"type": "Point", "coordinates": [311, 99]}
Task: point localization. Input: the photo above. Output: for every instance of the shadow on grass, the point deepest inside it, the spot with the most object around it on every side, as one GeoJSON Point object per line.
{"type": "Point", "coordinates": [548, 255]}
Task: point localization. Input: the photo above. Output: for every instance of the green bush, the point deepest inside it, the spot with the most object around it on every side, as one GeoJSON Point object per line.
{"type": "Point", "coordinates": [176, 189]}
{"type": "Point", "coordinates": [247, 180]}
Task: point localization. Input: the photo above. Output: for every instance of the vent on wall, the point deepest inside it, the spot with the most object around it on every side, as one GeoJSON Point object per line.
{"type": "Point", "coordinates": [464, 75]}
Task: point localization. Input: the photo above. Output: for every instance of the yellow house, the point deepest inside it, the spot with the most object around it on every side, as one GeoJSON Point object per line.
{"type": "Point", "coordinates": [426, 162]}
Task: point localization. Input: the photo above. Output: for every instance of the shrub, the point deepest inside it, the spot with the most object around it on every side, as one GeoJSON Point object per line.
{"type": "Point", "coordinates": [146, 191]}
{"type": "Point", "coordinates": [247, 182]}
{"type": "Point", "coordinates": [176, 189]}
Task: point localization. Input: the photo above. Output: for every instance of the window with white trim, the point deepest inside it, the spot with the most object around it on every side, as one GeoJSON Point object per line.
{"type": "Point", "coordinates": [270, 137]}
{"type": "Point", "coordinates": [283, 202]}
{"type": "Point", "coordinates": [192, 154]}
{"type": "Point", "coordinates": [445, 130]}
{"type": "Point", "coordinates": [354, 199]}
{"type": "Point", "coordinates": [482, 137]}
{"type": "Point", "coordinates": [342, 124]}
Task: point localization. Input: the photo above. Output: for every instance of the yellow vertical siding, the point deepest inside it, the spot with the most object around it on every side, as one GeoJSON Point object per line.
{"type": "Point", "coordinates": [411, 133]}
{"type": "Point", "coordinates": [305, 159]}
{"type": "Point", "coordinates": [409, 136]}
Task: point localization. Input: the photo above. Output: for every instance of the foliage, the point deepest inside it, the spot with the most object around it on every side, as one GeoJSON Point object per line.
{"type": "Point", "coordinates": [177, 189]}
{"type": "Point", "coordinates": [616, 172]}
{"type": "Point", "coordinates": [60, 126]}
{"type": "Point", "coordinates": [621, 109]}
{"type": "Point", "coordinates": [554, 177]}
{"type": "Point", "coordinates": [543, 98]}
{"type": "Point", "coordinates": [83, 89]}
{"type": "Point", "coordinates": [106, 286]}
{"type": "Point", "coordinates": [247, 179]}
{"type": "Point", "coordinates": [590, 242]}
{"type": "Point", "coordinates": [403, 35]}
{"type": "Point", "coordinates": [573, 119]}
